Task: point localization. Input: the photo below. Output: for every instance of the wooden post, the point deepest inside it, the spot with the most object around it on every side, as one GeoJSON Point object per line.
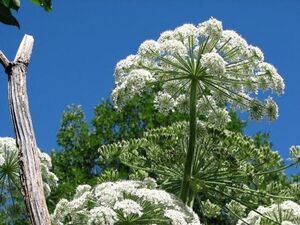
{"type": "Point", "coordinates": [30, 172]}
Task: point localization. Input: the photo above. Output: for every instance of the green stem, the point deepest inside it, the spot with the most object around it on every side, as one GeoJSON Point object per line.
{"type": "Point", "coordinates": [276, 170]}
{"type": "Point", "coordinates": [188, 165]}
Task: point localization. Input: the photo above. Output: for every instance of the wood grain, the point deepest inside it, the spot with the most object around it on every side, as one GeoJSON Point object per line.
{"type": "Point", "coordinates": [30, 174]}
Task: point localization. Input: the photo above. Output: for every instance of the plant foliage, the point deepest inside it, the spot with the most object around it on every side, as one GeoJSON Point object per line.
{"type": "Point", "coordinates": [8, 6]}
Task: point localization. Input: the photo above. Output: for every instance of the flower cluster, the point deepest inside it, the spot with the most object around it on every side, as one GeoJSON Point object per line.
{"type": "Point", "coordinates": [285, 213]}
{"type": "Point", "coordinates": [9, 156]}
{"type": "Point", "coordinates": [7, 146]}
{"type": "Point", "coordinates": [227, 70]}
{"type": "Point", "coordinates": [295, 153]}
{"type": "Point", "coordinates": [130, 202]}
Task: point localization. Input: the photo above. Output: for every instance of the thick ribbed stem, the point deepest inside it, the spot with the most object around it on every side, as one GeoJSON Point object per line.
{"type": "Point", "coordinates": [188, 165]}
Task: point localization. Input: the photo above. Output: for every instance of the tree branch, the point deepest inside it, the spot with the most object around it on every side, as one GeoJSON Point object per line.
{"type": "Point", "coordinates": [3, 60]}
{"type": "Point", "coordinates": [24, 52]}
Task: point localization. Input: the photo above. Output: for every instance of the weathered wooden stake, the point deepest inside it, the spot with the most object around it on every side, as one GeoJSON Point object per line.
{"type": "Point", "coordinates": [31, 179]}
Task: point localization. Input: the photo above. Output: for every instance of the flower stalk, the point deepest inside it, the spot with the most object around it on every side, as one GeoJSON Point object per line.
{"type": "Point", "coordinates": [188, 165]}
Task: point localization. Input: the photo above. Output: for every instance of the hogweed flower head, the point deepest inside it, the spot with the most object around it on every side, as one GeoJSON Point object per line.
{"type": "Point", "coordinates": [287, 212]}
{"type": "Point", "coordinates": [9, 158]}
{"type": "Point", "coordinates": [102, 215]}
{"type": "Point", "coordinates": [210, 209]}
{"type": "Point", "coordinates": [2, 160]}
{"type": "Point", "coordinates": [123, 202]}
{"type": "Point", "coordinates": [128, 207]}
{"type": "Point", "coordinates": [213, 63]}
{"type": "Point", "coordinates": [227, 70]}
{"type": "Point", "coordinates": [295, 153]}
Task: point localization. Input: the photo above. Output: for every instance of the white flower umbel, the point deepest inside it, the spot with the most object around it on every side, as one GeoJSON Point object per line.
{"type": "Point", "coordinates": [128, 206]}
{"type": "Point", "coordinates": [233, 46]}
{"type": "Point", "coordinates": [124, 66]}
{"type": "Point", "coordinates": [236, 208]}
{"type": "Point", "coordinates": [211, 28]}
{"type": "Point", "coordinates": [221, 62]}
{"type": "Point", "coordinates": [102, 215]}
{"type": "Point", "coordinates": [271, 108]}
{"type": "Point", "coordinates": [7, 144]}
{"type": "Point", "coordinates": [213, 63]}
{"type": "Point", "coordinates": [164, 103]}
{"type": "Point", "coordinates": [197, 62]}
{"type": "Point", "coordinates": [295, 153]}
{"type": "Point", "coordinates": [176, 217]}
{"type": "Point", "coordinates": [9, 155]}
{"type": "Point", "coordinates": [287, 212]}
{"type": "Point", "coordinates": [185, 31]}
{"type": "Point", "coordinates": [126, 202]}
{"type": "Point", "coordinates": [148, 47]}
{"type": "Point", "coordinates": [60, 211]}
{"type": "Point", "coordinates": [2, 160]}
{"type": "Point", "coordinates": [272, 77]}
{"type": "Point", "coordinates": [134, 84]}
{"type": "Point", "coordinates": [155, 196]}
{"type": "Point", "coordinates": [256, 53]}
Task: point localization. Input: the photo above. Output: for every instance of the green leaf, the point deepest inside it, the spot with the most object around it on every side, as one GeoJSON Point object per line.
{"type": "Point", "coordinates": [11, 4]}
{"type": "Point", "coordinates": [6, 16]}
{"type": "Point", "coordinates": [46, 4]}
{"type": "Point", "coordinates": [15, 4]}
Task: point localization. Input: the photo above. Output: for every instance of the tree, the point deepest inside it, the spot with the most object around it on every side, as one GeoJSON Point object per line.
{"type": "Point", "coordinates": [30, 170]}
{"type": "Point", "coordinates": [7, 6]}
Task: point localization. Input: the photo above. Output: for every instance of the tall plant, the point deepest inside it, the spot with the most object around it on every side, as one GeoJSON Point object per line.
{"type": "Point", "coordinates": [231, 174]}
{"type": "Point", "coordinates": [201, 71]}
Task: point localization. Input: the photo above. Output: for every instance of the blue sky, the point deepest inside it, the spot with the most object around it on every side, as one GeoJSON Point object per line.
{"type": "Point", "coordinates": [78, 44]}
